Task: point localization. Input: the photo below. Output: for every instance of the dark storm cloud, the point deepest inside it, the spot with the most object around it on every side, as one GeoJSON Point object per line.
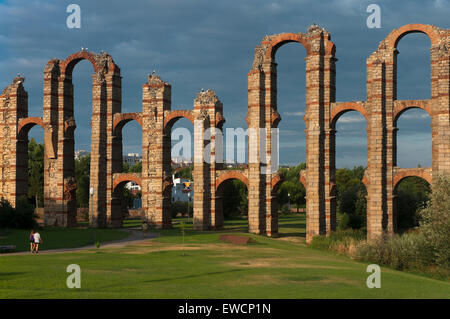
{"type": "Point", "coordinates": [209, 44]}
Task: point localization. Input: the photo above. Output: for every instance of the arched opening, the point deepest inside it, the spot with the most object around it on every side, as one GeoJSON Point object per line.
{"type": "Point", "coordinates": [290, 197]}
{"type": "Point", "coordinates": [413, 74]}
{"type": "Point", "coordinates": [350, 163]}
{"type": "Point", "coordinates": [410, 194]}
{"type": "Point", "coordinates": [291, 97]}
{"type": "Point", "coordinates": [232, 203]}
{"type": "Point", "coordinates": [178, 164]}
{"type": "Point", "coordinates": [80, 144]}
{"type": "Point", "coordinates": [126, 197]}
{"type": "Point", "coordinates": [413, 139]}
{"type": "Point", "coordinates": [130, 134]}
{"type": "Point", "coordinates": [290, 102]}
{"type": "Point", "coordinates": [30, 158]}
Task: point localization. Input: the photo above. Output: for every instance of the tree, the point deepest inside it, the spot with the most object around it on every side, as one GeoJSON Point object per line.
{"type": "Point", "coordinates": [185, 172]}
{"type": "Point", "coordinates": [351, 197]}
{"type": "Point", "coordinates": [82, 170]}
{"type": "Point", "coordinates": [291, 186]}
{"type": "Point", "coordinates": [36, 172]}
{"type": "Point", "coordinates": [412, 194]}
{"type": "Point", "coordinates": [435, 221]}
{"type": "Point", "coordinates": [235, 198]}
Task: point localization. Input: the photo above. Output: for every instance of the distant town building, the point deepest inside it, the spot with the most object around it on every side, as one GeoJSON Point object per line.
{"type": "Point", "coordinates": [181, 161]}
{"type": "Point", "coordinates": [132, 158]}
{"type": "Point", "coordinates": [81, 153]}
{"type": "Point", "coordinates": [133, 187]}
{"type": "Point", "coordinates": [182, 190]}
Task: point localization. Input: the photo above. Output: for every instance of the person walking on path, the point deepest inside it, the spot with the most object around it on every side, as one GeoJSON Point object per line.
{"type": "Point", "coordinates": [37, 241]}
{"type": "Point", "coordinates": [32, 244]}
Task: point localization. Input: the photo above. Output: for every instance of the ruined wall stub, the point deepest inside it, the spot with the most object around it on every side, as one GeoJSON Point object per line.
{"type": "Point", "coordinates": [13, 171]}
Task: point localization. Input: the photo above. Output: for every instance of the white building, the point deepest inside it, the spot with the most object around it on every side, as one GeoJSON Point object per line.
{"type": "Point", "coordinates": [81, 153]}
{"type": "Point", "coordinates": [132, 186]}
{"type": "Point", "coordinates": [182, 190]}
{"type": "Point", "coordinates": [132, 158]}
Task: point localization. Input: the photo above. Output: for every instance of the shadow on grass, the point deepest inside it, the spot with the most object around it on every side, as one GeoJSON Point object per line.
{"type": "Point", "coordinates": [10, 274]}
{"type": "Point", "coordinates": [295, 234]}
{"type": "Point", "coordinates": [196, 276]}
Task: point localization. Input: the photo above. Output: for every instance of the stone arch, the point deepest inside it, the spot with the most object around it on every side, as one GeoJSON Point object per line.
{"type": "Point", "coordinates": [25, 124]}
{"type": "Point", "coordinates": [339, 109]}
{"type": "Point", "coordinates": [117, 208]}
{"type": "Point", "coordinates": [121, 119]}
{"type": "Point", "coordinates": [277, 180]}
{"type": "Point", "coordinates": [400, 106]}
{"type": "Point", "coordinates": [175, 115]}
{"type": "Point", "coordinates": [217, 213]}
{"type": "Point", "coordinates": [234, 174]}
{"type": "Point", "coordinates": [279, 40]}
{"type": "Point", "coordinates": [402, 173]}
{"type": "Point", "coordinates": [395, 36]}
{"type": "Point", "coordinates": [125, 178]}
{"type": "Point", "coordinates": [98, 64]}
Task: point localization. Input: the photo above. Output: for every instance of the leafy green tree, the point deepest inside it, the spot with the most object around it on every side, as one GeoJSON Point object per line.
{"type": "Point", "coordinates": [136, 168]}
{"type": "Point", "coordinates": [351, 197]}
{"type": "Point", "coordinates": [435, 221]}
{"type": "Point", "coordinates": [235, 198]}
{"type": "Point", "coordinates": [36, 172]}
{"type": "Point", "coordinates": [291, 190]}
{"type": "Point", "coordinates": [22, 216]}
{"type": "Point", "coordinates": [185, 172]}
{"type": "Point", "coordinates": [82, 169]}
{"type": "Point", "coordinates": [412, 194]}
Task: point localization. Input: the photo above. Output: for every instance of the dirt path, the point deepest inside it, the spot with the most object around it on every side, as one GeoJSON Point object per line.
{"type": "Point", "coordinates": [135, 236]}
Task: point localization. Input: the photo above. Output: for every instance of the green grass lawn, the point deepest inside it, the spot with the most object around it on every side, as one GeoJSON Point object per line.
{"type": "Point", "coordinates": [281, 267]}
{"type": "Point", "coordinates": [54, 238]}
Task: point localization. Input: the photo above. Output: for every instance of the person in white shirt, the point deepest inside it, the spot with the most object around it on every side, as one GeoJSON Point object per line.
{"type": "Point", "coordinates": [37, 241]}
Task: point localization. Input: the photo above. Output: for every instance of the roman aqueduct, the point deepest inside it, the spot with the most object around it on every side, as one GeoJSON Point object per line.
{"type": "Point", "coordinates": [381, 110]}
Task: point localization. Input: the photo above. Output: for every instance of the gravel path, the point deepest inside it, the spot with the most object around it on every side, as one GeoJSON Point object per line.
{"type": "Point", "coordinates": [135, 236]}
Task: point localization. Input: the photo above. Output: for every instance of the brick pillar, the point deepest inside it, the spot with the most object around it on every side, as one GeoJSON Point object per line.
{"type": "Point", "coordinates": [329, 96]}
{"type": "Point", "coordinates": [13, 172]}
{"type": "Point", "coordinates": [114, 157]}
{"type": "Point", "coordinates": [63, 211]}
{"type": "Point", "coordinates": [217, 158]}
{"type": "Point", "coordinates": [315, 170]}
{"type": "Point", "coordinates": [440, 92]}
{"type": "Point", "coordinates": [52, 192]}
{"type": "Point", "coordinates": [156, 157]}
{"type": "Point", "coordinates": [255, 120]}
{"type": "Point", "coordinates": [207, 109]}
{"type": "Point", "coordinates": [376, 136]}
{"type": "Point", "coordinates": [99, 140]}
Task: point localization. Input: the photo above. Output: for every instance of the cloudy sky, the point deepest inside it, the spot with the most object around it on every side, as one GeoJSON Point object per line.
{"type": "Point", "coordinates": [209, 44]}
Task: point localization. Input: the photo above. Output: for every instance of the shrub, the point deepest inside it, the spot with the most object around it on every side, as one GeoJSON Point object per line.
{"type": "Point", "coordinates": [408, 251]}
{"type": "Point", "coordinates": [6, 213]}
{"type": "Point", "coordinates": [22, 216]}
{"type": "Point", "coordinates": [181, 207]}
{"type": "Point", "coordinates": [343, 241]}
{"type": "Point", "coordinates": [343, 221]}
